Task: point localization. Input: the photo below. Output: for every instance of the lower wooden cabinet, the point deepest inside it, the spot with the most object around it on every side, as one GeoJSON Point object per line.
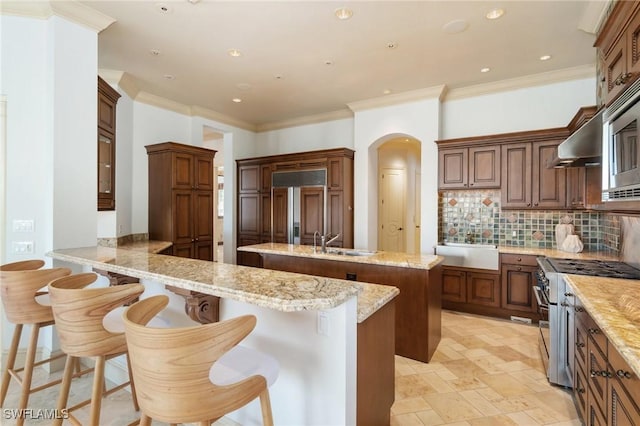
{"type": "Point", "coordinates": [606, 390]}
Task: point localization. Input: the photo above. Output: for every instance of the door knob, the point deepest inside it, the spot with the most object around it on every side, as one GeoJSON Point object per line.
{"type": "Point", "coordinates": [400, 229]}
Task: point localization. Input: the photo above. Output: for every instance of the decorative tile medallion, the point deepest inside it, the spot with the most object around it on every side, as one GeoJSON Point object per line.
{"type": "Point", "coordinates": [452, 231]}
{"type": "Point", "coordinates": [487, 233]}
{"type": "Point", "coordinates": [512, 218]}
{"type": "Point", "coordinates": [452, 202]}
{"type": "Point", "coordinates": [487, 201]}
{"type": "Point", "coordinates": [538, 235]}
{"type": "Point", "coordinates": [469, 217]}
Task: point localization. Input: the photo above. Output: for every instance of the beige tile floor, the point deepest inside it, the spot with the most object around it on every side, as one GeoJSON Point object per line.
{"type": "Point", "coordinates": [484, 372]}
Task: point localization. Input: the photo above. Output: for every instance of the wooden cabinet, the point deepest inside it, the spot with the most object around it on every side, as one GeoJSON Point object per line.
{"type": "Point", "coordinates": [107, 99]}
{"type": "Point", "coordinates": [607, 390]}
{"type": "Point", "coordinates": [263, 219]}
{"type": "Point", "coordinates": [469, 168]}
{"type": "Point", "coordinates": [518, 277]}
{"type": "Point", "coordinates": [471, 290]}
{"type": "Point", "coordinates": [527, 182]}
{"type": "Point", "coordinates": [618, 44]}
{"type": "Point", "coordinates": [417, 307]}
{"type": "Point", "coordinates": [181, 203]}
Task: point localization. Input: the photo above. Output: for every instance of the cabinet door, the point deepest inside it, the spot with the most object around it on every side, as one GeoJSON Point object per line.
{"type": "Point", "coordinates": [335, 216]}
{"type": "Point", "coordinates": [249, 213]}
{"type": "Point", "coordinates": [615, 67]}
{"type": "Point", "coordinates": [633, 46]}
{"type": "Point", "coordinates": [622, 407]}
{"type": "Point", "coordinates": [311, 213]}
{"type": "Point", "coordinates": [106, 113]}
{"type": "Point", "coordinates": [203, 173]}
{"type": "Point", "coordinates": [265, 178]}
{"type": "Point", "coordinates": [106, 171]}
{"type": "Point", "coordinates": [265, 216]}
{"type": "Point", "coordinates": [454, 286]}
{"type": "Point", "coordinates": [516, 175]}
{"type": "Point", "coordinates": [280, 215]}
{"type": "Point", "coordinates": [203, 216]}
{"type": "Point", "coordinates": [549, 185]}
{"type": "Point", "coordinates": [183, 250]}
{"type": "Point", "coordinates": [203, 250]}
{"type": "Point", "coordinates": [483, 289]}
{"type": "Point", "coordinates": [598, 372]}
{"type": "Point", "coordinates": [580, 392]}
{"type": "Point", "coordinates": [452, 168]}
{"type": "Point", "coordinates": [484, 167]}
{"type": "Point", "coordinates": [517, 288]}
{"type": "Point", "coordinates": [249, 178]}
{"type": "Point", "coordinates": [182, 171]}
{"type": "Point", "coordinates": [576, 180]}
{"type": "Point", "coordinates": [183, 217]}
{"type": "Point", "coordinates": [335, 173]}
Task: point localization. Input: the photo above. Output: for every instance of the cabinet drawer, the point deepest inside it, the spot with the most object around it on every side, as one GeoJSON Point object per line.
{"type": "Point", "coordinates": [625, 374]}
{"type": "Point", "coordinates": [519, 259]}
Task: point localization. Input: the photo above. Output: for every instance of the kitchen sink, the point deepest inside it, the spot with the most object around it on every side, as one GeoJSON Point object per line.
{"type": "Point", "coordinates": [350, 252]}
{"type": "Point", "coordinates": [480, 256]}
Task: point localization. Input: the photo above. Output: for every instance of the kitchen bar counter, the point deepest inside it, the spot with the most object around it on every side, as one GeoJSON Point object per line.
{"type": "Point", "coordinates": [282, 291]}
{"type": "Point", "coordinates": [384, 258]}
{"type": "Point", "coordinates": [614, 304]}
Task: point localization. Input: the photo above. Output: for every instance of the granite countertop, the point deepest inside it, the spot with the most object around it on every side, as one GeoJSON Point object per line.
{"type": "Point", "coordinates": [387, 258]}
{"type": "Point", "coordinates": [552, 252]}
{"type": "Point", "coordinates": [149, 246]}
{"type": "Point", "coordinates": [282, 291]}
{"type": "Point", "coordinates": [613, 305]}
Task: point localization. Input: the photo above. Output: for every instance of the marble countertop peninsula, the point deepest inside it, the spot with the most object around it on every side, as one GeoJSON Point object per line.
{"type": "Point", "coordinates": [614, 304]}
{"type": "Point", "coordinates": [386, 258]}
{"type": "Point", "coordinates": [282, 291]}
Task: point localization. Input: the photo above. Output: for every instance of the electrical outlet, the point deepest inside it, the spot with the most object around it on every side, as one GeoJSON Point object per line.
{"type": "Point", "coordinates": [514, 234]}
{"type": "Point", "coordinates": [323, 323]}
{"type": "Point", "coordinates": [22, 247]}
{"type": "Point", "coordinates": [23, 225]}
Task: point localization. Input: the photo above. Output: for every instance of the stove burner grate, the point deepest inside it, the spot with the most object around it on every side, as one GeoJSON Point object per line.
{"type": "Point", "coordinates": [600, 268]}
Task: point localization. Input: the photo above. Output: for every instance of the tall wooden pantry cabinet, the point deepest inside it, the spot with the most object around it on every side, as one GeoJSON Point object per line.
{"type": "Point", "coordinates": [181, 198]}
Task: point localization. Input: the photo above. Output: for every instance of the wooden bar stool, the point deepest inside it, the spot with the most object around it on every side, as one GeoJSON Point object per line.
{"type": "Point", "coordinates": [195, 374]}
{"type": "Point", "coordinates": [20, 283]}
{"type": "Point", "coordinates": [86, 322]}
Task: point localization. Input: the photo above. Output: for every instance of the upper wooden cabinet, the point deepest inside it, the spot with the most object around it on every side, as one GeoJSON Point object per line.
{"type": "Point", "coordinates": [469, 168]}
{"type": "Point", "coordinates": [181, 198]}
{"type": "Point", "coordinates": [107, 99]}
{"type": "Point", "coordinates": [618, 45]}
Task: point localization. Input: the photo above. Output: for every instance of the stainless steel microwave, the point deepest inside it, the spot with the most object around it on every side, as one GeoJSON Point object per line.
{"type": "Point", "coordinates": [621, 148]}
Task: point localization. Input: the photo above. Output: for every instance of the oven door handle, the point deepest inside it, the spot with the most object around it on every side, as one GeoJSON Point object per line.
{"type": "Point", "coordinates": [537, 291]}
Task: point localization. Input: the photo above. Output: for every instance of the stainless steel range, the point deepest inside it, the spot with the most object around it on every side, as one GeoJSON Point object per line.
{"type": "Point", "coordinates": [557, 334]}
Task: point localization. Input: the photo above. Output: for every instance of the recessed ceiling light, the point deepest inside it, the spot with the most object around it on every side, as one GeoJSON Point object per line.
{"type": "Point", "coordinates": [343, 13]}
{"type": "Point", "coordinates": [234, 52]}
{"type": "Point", "coordinates": [236, 100]}
{"type": "Point", "coordinates": [494, 14]}
{"type": "Point", "coordinates": [169, 77]}
{"type": "Point", "coordinates": [278, 76]}
{"type": "Point", "coordinates": [328, 62]}
{"type": "Point", "coordinates": [163, 8]}
{"type": "Point", "coordinates": [545, 57]}
{"type": "Point", "coordinates": [392, 45]}
{"type": "Point", "coordinates": [243, 86]}
{"type": "Point", "coordinates": [386, 91]}
{"type": "Point", "coordinates": [455, 26]}
{"type": "Point", "coordinates": [193, 1]}
{"type": "Point", "coordinates": [154, 52]}
{"type": "Point", "coordinates": [485, 69]}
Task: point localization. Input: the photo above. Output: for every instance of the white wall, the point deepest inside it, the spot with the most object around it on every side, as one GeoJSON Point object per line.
{"type": "Point", "coordinates": [310, 137]}
{"type": "Point", "coordinates": [418, 120]}
{"type": "Point", "coordinates": [49, 70]}
{"type": "Point", "coordinates": [531, 108]}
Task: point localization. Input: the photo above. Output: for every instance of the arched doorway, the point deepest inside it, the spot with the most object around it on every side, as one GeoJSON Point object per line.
{"type": "Point", "coordinates": [399, 198]}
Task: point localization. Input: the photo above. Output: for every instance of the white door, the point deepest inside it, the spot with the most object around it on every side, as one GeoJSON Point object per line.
{"type": "Point", "coordinates": [392, 210]}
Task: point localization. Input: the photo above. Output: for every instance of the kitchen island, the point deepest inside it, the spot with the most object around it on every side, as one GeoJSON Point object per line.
{"type": "Point", "coordinates": [311, 325]}
{"type": "Point", "coordinates": [417, 276]}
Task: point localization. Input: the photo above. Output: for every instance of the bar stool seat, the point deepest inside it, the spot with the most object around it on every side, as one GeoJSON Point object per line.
{"type": "Point", "coordinates": [195, 374]}
{"type": "Point", "coordinates": [20, 291]}
{"type": "Point", "coordinates": [80, 314]}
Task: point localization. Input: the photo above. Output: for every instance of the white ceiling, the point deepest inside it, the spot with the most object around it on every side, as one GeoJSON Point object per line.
{"type": "Point", "coordinates": [282, 73]}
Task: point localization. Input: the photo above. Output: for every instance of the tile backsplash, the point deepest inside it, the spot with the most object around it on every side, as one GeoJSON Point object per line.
{"type": "Point", "coordinates": [478, 214]}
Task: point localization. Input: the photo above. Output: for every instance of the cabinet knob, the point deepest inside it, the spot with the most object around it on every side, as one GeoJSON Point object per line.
{"type": "Point", "coordinates": [568, 294]}
{"type": "Point", "coordinates": [528, 204]}
{"type": "Point", "coordinates": [594, 331]}
{"type": "Point", "coordinates": [470, 184]}
{"type": "Point", "coordinates": [519, 259]}
{"type": "Point", "coordinates": [564, 304]}
{"type": "Point", "coordinates": [535, 204]}
{"type": "Point", "coordinates": [579, 309]}
{"type": "Point", "coordinates": [580, 344]}
{"type": "Point", "coordinates": [623, 374]}
{"type": "Point", "coordinates": [581, 390]}
{"type": "Point", "coordinates": [519, 268]}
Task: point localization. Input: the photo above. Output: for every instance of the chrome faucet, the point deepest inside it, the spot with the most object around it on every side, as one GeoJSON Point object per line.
{"type": "Point", "coordinates": [323, 241]}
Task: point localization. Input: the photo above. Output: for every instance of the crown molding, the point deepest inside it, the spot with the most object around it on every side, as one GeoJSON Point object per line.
{"type": "Point", "coordinates": [309, 119]}
{"type": "Point", "coordinates": [593, 17]}
{"type": "Point", "coordinates": [222, 118]}
{"type": "Point", "coordinates": [164, 103]}
{"type": "Point", "coordinates": [398, 98]}
{"type": "Point", "coordinates": [575, 73]}
{"type": "Point", "coordinates": [70, 10]}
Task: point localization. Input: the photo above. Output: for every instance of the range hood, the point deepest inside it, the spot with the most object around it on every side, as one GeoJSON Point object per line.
{"type": "Point", "coordinates": [583, 147]}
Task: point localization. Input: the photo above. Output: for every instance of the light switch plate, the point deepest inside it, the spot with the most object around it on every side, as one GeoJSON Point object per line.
{"type": "Point", "coordinates": [23, 225]}
{"type": "Point", "coordinates": [323, 323]}
{"type": "Point", "coordinates": [22, 247]}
